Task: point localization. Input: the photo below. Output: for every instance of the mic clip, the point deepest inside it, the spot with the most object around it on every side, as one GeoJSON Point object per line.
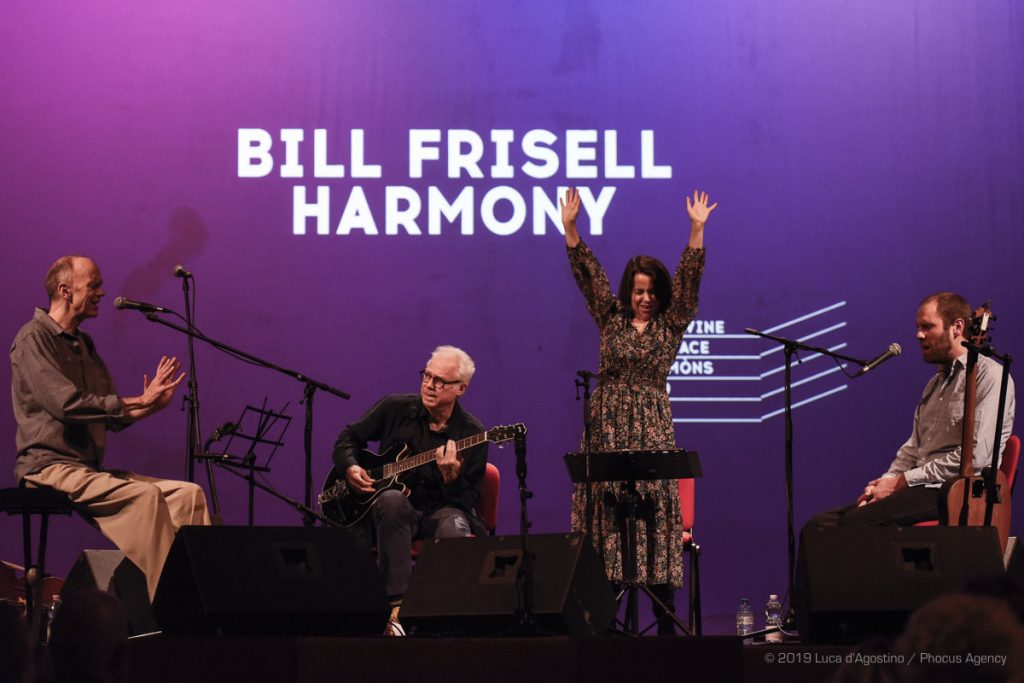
{"type": "Point", "coordinates": [219, 433]}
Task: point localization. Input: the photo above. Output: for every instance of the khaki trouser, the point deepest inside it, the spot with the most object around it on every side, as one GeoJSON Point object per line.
{"type": "Point", "coordinates": [139, 514]}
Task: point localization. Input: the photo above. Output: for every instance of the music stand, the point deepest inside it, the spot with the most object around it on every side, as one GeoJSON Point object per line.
{"type": "Point", "coordinates": [259, 428]}
{"type": "Point", "coordinates": [311, 385]}
{"type": "Point", "coordinates": [630, 467]}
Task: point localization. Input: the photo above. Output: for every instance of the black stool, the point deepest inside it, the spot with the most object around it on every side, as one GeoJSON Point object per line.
{"type": "Point", "coordinates": [26, 502]}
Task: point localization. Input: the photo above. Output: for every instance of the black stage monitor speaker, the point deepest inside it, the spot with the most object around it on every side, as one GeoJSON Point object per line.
{"type": "Point", "coordinates": [468, 586]}
{"type": "Point", "coordinates": [110, 571]}
{"type": "Point", "coordinates": [853, 583]}
{"type": "Point", "coordinates": [270, 581]}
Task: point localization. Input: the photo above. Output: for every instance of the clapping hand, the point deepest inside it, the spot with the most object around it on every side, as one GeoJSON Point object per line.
{"type": "Point", "coordinates": [158, 393]}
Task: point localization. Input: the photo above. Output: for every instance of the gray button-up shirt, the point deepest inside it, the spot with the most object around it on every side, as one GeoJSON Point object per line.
{"type": "Point", "coordinates": [64, 400]}
{"type": "Point", "coordinates": [931, 456]}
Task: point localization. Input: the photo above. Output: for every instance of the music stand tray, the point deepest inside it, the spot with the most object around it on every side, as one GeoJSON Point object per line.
{"type": "Point", "coordinates": [632, 465]}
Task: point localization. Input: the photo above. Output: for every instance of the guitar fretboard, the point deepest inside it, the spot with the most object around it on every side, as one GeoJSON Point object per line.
{"type": "Point", "coordinates": [414, 461]}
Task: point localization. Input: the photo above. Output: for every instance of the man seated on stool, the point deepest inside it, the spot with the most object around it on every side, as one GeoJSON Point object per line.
{"type": "Point", "coordinates": [909, 491]}
{"type": "Point", "coordinates": [444, 499]}
{"type": "Point", "coordinates": [64, 403]}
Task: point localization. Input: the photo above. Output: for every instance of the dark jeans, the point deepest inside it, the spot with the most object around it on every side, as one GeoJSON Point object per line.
{"type": "Point", "coordinates": [397, 523]}
{"type": "Point", "coordinates": [903, 508]}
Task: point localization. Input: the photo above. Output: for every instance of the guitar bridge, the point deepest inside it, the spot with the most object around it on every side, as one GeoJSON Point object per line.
{"type": "Point", "coordinates": [339, 489]}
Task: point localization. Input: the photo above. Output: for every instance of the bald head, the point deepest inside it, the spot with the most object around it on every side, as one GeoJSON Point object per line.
{"type": "Point", "coordinates": [89, 638]}
{"type": "Point", "coordinates": [60, 273]}
{"type": "Point", "coordinates": [75, 287]}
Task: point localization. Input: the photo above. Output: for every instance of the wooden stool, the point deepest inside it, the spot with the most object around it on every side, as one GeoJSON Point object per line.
{"type": "Point", "coordinates": [26, 502]}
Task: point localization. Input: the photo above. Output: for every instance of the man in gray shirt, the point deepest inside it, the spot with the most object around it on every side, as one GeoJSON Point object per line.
{"type": "Point", "coordinates": [64, 403]}
{"type": "Point", "coordinates": [909, 491]}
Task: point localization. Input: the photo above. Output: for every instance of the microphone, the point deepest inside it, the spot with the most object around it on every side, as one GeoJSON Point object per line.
{"type": "Point", "coordinates": [893, 350]}
{"type": "Point", "coordinates": [219, 433]}
{"type": "Point", "coordinates": [127, 304]}
{"type": "Point", "coordinates": [224, 430]}
{"type": "Point", "coordinates": [179, 271]}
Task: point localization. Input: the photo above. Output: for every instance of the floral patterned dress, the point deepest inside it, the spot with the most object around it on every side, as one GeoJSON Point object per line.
{"type": "Point", "coordinates": [630, 409]}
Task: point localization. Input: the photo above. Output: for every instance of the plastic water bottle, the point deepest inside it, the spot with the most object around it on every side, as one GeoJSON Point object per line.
{"type": "Point", "coordinates": [773, 618]}
{"type": "Point", "coordinates": [744, 619]}
{"type": "Point", "coordinates": [51, 612]}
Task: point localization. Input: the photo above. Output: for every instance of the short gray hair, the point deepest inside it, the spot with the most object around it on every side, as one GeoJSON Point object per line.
{"type": "Point", "coordinates": [466, 365]}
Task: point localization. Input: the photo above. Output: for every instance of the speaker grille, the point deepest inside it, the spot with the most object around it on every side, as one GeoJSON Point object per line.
{"type": "Point", "coordinates": [467, 586]}
{"type": "Point", "coordinates": [270, 581]}
{"type": "Point", "coordinates": [853, 583]}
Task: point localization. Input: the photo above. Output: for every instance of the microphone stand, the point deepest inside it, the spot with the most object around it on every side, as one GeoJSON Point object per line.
{"type": "Point", "coordinates": [193, 431]}
{"type": "Point", "coordinates": [584, 383]}
{"type": "Point", "coordinates": [991, 485]}
{"type": "Point", "coordinates": [791, 346]}
{"type": "Point", "coordinates": [307, 442]}
{"type": "Point", "coordinates": [527, 620]}
{"type": "Point", "coordinates": [311, 385]}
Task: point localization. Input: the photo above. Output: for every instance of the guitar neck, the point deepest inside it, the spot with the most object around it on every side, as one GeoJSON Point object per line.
{"type": "Point", "coordinates": [977, 334]}
{"type": "Point", "coordinates": [414, 461]}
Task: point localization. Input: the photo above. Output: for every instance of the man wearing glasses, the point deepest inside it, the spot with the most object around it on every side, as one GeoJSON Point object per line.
{"type": "Point", "coordinates": [443, 499]}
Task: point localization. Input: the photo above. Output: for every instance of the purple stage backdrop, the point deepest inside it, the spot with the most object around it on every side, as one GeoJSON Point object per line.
{"type": "Point", "coordinates": [355, 183]}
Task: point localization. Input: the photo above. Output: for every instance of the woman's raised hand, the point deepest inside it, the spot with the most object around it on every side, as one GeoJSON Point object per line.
{"type": "Point", "coordinates": [570, 211]}
{"type": "Point", "coordinates": [570, 206]}
{"type": "Point", "coordinates": [698, 209]}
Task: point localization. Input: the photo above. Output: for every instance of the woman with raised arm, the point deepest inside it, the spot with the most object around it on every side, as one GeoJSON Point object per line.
{"type": "Point", "coordinates": [640, 333]}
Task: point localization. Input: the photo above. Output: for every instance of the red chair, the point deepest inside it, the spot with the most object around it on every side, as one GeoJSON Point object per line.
{"type": "Point", "coordinates": [489, 499]}
{"type": "Point", "coordinates": [1011, 456]}
{"type": "Point", "coordinates": [690, 546]}
{"type": "Point", "coordinates": [1007, 465]}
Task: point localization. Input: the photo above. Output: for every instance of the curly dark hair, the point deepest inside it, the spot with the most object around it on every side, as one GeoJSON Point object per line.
{"type": "Point", "coordinates": [652, 268]}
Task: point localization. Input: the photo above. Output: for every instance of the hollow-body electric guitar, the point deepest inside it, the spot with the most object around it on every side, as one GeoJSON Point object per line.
{"type": "Point", "coordinates": [343, 504]}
